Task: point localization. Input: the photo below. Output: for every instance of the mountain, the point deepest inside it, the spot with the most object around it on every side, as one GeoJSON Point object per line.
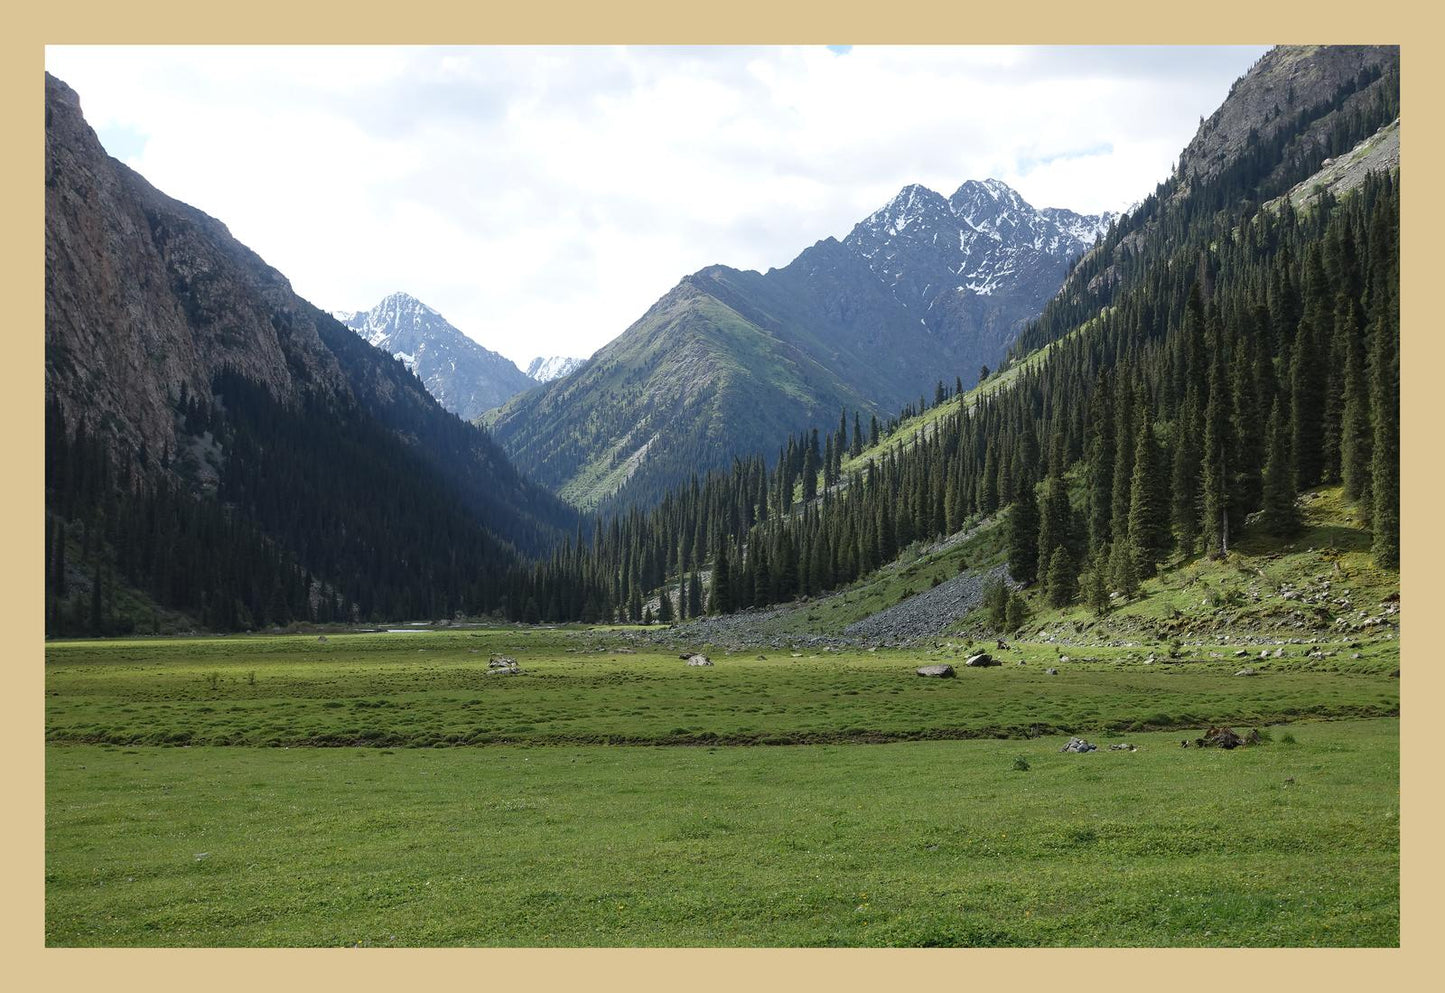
{"type": "Point", "coordinates": [466, 378]}
{"type": "Point", "coordinates": [545, 369]}
{"type": "Point", "coordinates": [222, 445]}
{"type": "Point", "coordinates": [1215, 389]}
{"type": "Point", "coordinates": [1296, 108]}
{"type": "Point", "coordinates": [925, 289]}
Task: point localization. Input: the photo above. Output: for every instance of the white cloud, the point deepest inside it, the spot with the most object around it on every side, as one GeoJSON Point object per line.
{"type": "Point", "coordinates": [543, 198]}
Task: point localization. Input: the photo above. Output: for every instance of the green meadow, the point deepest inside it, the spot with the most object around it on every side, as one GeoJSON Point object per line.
{"type": "Point", "coordinates": [805, 798]}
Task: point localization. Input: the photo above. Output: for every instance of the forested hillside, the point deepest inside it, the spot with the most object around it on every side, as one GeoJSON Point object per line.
{"type": "Point", "coordinates": [1245, 354]}
{"type": "Point", "coordinates": [730, 362]}
{"type": "Point", "coordinates": [220, 452]}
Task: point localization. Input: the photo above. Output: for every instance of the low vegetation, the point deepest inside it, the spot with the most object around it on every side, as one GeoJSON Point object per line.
{"type": "Point", "coordinates": [931, 843]}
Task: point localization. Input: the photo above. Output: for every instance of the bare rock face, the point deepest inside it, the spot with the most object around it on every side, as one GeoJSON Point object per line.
{"type": "Point", "coordinates": [144, 295]}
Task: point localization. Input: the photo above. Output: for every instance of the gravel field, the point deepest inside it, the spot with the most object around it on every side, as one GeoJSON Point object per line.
{"type": "Point", "coordinates": [926, 614]}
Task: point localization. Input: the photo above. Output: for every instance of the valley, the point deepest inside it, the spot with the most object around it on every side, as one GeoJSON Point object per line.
{"type": "Point", "coordinates": [772, 622]}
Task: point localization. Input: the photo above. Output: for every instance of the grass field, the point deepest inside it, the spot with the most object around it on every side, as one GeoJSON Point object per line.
{"type": "Point", "coordinates": [571, 828]}
{"type": "Point", "coordinates": [433, 688]}
{"type": "Point", "coordinates": [918, 843]}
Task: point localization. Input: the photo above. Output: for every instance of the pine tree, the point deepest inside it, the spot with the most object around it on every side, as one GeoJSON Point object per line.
{"type": "Point", "coordinates": [1018, 612]}
{"type": "Point", "coordinates": [1148, 525]}
{"type": "Point", "coordinates": [1023, 540]}
{"type": "Point", "coordinates": [1307, 387]}
{"type": "Point", "coordinates": [1214, 518]}
{"type": "Point", "coordinates": [1184, 473]}
{"type": "Point", "coordinates": [1099, 471]}
{"type": "Point", "coordinates": [1096, 583]}
{"type": "Point", "coordinates": [1123, 573]}
{"type": "Point", "coordinates": [694, 597]}
{"type": "Point", "coordinates": [995, 601]}
{"type": "Point", "coordinates": [1355, 432]}
{"type": "Point", "coordinates": [720, 596]}
{"type": "Point", "coordinates": [1054, 524]}
{"type": "Point", "coordinates": [1385, 461]}
{"type": "Point", "coordinates": [1277, 505]}
{"type": "Point", "coordinates": [1063, 583]}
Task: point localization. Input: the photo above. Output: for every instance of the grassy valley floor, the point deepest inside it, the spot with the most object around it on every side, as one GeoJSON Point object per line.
{"type": "Point", "coordinates": [782, 823]}
{"type": "Point", "coordinates": [1293, 842]}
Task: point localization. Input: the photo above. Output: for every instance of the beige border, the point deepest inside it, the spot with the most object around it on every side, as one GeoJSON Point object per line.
{"type": "Point", "coordinates": [29, 964]}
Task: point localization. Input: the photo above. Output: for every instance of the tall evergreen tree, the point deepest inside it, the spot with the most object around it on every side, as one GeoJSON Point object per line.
{"type": "Point", "coordinates": [1277, 510]}
{"type": "Point", "coordinates": [1148, 522]}
{"type": "Point", "coordinates": [1023, 534]}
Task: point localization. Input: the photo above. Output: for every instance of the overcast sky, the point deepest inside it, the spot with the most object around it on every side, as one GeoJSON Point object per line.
{"type": "Point", "coordinates": [543, 198]}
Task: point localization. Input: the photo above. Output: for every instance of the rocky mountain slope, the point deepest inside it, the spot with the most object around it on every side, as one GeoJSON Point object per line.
{"type": "Point", "coordinates": [732, 361]}
{"type": "Point", "coordinates": [465, 377]}
{"type": "Point", "coordinates": [1296, 107]}
{"type": "Point", "coordinates": [544, 369]}
{"type": "Point", "coordinates": [182, 359]}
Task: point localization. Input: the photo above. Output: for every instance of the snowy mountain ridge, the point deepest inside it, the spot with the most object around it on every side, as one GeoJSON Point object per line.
{"type": "Point", "coordinates": [544, 369]}
{"type": "Point", "coordinates": [465, 377]}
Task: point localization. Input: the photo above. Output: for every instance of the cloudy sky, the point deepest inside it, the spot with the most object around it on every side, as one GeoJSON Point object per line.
{"type": "Point", "coordinates": [543, 198]}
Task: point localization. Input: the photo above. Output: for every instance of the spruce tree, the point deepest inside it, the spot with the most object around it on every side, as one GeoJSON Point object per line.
{"type": "Point", "coordinates": [720, 595]}
{"type": "Point", "coordinates": [1018, 612]}
{"type": "Point", "coordinates": [1184, 473]}
{"type": "Point", "coordinates": [1123, 573]}
{"type": "Point", "coordinates": [1062, 579]}
{"type": "Point", "coordinates": [1148, 519]}
{"type": "Point", "coordinates": [1307, 387]}
{"type": "Point", "coordinates": [1096, 583]}
{"type": "Point", "coordinates": [1385, 461]}
{"type": "Point", "coordinates": [1277, 504]}
{"type": "Point", "coordinates": [1214, 498]}
{"type": "Point", "coordinates": [1023, 534]}
{"type": "Point", "coordinates": [1355, 432]}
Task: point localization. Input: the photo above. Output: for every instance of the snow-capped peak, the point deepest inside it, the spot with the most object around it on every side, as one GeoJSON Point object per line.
{"type": "Point", "coordinates": [981, 241]}
{"type": "Point", "coordinates": [544, 369]}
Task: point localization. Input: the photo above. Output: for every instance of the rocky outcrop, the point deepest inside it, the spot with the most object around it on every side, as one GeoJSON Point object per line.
{"type": "Point", "coordinates": [145, 295]}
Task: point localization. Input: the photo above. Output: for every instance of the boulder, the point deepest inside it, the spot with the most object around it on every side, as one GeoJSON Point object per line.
{"type": "Point", "coordinates": [1051, 671]}
{"type": "Point", "coordinates": [981, 660]}
{"type": "Point", "coordinates": [944, 671]}
{"type": "Point", "coordinates": [1123, 747]}
{"type": "Point", "coordinates": [1246, 671]}
{"type": "Point", "coordinates": [1220, 737]}
{"type": "Point", "coordinates": [1079, 745]}
{"type": "Point", "coordinates": [699, 660]}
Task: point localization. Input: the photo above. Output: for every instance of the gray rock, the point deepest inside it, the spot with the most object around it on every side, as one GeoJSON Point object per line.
{"type": "Point", "coordinates": [1051, 672]}
{"type": "Point", "coordinates": [944, 671]}
{"type": "Point", "coordinates": [981, 660]}
{"type": "Point", "coordinates": [1246, 671]}
{"type": "Point", "coordinates": [699, 660]}
{"type": "Point", "coordinates": [1079, 745]}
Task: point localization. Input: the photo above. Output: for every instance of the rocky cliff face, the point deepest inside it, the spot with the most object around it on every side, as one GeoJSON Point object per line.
{"type": "Point", "coordinates": [144, 295]}
{"type": "Point", "coordinates": [147, 299]}
{"type": "Point", "coordinates": [1287, 80]}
